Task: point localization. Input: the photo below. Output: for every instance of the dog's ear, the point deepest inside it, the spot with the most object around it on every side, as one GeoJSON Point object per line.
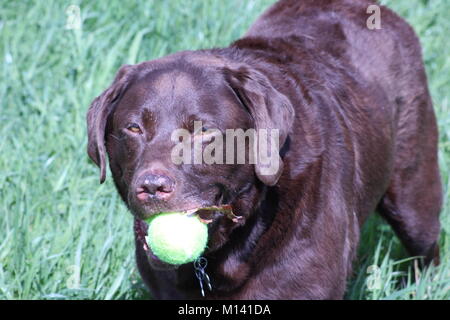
{"type": "Point", "coordinates": [97, 116]}
{"type": "Point", "coordinates": [269, 108]}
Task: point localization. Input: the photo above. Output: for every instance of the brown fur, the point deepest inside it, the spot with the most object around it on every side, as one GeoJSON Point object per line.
{"type": "Point", "coordinates": [358, 134]}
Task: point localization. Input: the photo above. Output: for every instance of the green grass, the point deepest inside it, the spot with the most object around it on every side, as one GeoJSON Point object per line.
{"type": "Point", "coordinates": [64, 236]}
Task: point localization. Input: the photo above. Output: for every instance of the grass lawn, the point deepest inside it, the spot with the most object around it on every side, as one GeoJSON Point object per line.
{"type": "Point", "coordinates": [64, 236]}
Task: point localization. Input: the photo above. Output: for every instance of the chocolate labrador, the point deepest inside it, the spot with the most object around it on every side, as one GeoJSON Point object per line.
{"type": "Point", "coordinates": [357, 134]}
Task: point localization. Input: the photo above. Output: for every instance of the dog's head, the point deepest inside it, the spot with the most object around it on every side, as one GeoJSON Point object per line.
{"type": "Point", "coordinates": [155, 109]}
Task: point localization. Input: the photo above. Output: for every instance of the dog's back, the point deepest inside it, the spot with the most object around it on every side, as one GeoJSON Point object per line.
{"type": "Point", "coordinates": [388, 63]}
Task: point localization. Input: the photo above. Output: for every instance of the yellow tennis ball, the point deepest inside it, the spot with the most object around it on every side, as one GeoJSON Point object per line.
{"type": "Point", "coordinates": [177, 238]}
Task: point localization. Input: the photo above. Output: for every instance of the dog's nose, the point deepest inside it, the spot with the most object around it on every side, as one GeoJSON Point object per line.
{"type": "Point", "coordinates": [157, 186]}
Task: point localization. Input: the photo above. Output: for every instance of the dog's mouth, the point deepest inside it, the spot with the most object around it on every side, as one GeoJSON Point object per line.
{"type": "Point", "coordinates": [206, 215]}
{"type": "Point", "coordinates": [140, 232]}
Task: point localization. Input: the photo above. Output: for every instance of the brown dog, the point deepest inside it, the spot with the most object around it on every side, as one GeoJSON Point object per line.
{"type": "Point", "coordinates": [357, 134]}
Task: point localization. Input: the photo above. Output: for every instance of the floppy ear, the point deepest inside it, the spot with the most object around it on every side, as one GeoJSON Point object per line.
{"type": "Point", "coordinates": [97, 115]}
{"type": "Point", "coordinates": [269, 108]}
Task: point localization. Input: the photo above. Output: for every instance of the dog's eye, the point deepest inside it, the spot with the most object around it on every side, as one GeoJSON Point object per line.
{"type": "Point", "coordinates": [202, 130]}
{"type": "Point", "coordinates": [133, 127]}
